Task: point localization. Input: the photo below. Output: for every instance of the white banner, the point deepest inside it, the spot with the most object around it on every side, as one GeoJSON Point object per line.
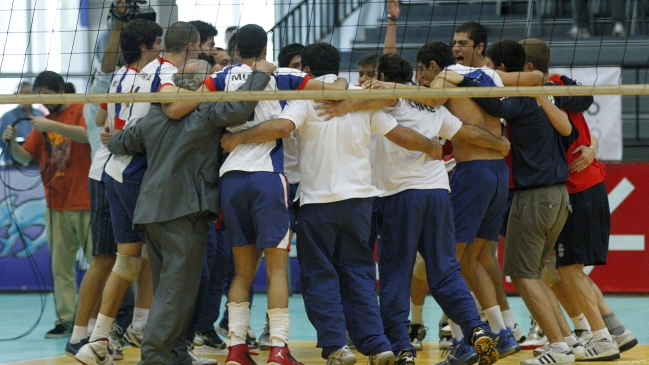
{"type": "Point", "coordinates": [605, 115]}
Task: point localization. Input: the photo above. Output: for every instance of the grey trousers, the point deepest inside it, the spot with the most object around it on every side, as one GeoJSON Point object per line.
{"type": "Point", "coordinates": [176, 250]}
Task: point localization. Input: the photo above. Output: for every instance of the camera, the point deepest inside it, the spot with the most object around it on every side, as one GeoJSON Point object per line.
{"type": "Point", "coordinates": [133, 11]}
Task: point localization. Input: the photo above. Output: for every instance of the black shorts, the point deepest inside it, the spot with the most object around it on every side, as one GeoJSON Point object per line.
{"type": "Point", "coordinates": [103, 240]}
{"type": "Point", "coordinates": [584, 238]}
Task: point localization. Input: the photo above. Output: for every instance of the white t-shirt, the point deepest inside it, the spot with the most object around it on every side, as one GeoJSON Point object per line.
{"type": "Point", "coordinates": [267, 156]}
{"type": "Point", "coordinates": [291, 167]}
{"type": "Point", "coordinates": [122, 82]}
{"type": "Point", "coordinates": [335, 155]}
{"type": "Point", "coordinates": [398, 169]}
{"type": "Point", "coordinates": [151, 78]}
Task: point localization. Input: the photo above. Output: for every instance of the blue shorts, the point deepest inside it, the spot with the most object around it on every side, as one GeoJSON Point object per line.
{"type": "Point", "coordinates": [103, 240]}
{"type": "Point", "coordinates": [293, 206]}
{"type": "Point", "coordinates": [479, 194]}
{"type": "Point", "coordinates": [255, 208]}
{"type": "Point", "coordinates": [122, 199]}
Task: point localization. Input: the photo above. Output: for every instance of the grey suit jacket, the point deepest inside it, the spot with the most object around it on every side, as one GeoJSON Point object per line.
{"type": "Point", "coordinates": [183, 156]}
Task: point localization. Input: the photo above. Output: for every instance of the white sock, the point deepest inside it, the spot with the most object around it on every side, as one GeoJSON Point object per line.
{"type": "Point", "coordinates": [580, 322]}
{"type": "Point", "coordinates": [91, 325]}
{"type": "Point", "coordinates": [456, 331]}
{"type": "Point", "coordinates": [78, 334]}
{"type": "Point", "coordinates": [279, 323]}
{"type": "Point", "coordinates": [509, 318]}
{"type": "Point", "coordinates": [417, 313]}
{"type": "Point", "coordinates": [238, 320]}
{"type": "Point", "coordinates": [140, 316]}
{"type": "Point", "coordinates": [102, 327]}
{"type": "Point", "coordinates": [602, 334]}
{"type": "Point", "coordinates": [495, 318]}
{"type": "Point", "coordinates": [560, 346]}
{"type": "Point", "coordinates": [571, 340]}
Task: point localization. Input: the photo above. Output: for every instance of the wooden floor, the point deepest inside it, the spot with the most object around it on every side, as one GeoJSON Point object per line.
{"type": "Point", "coordinates": [309, 355]}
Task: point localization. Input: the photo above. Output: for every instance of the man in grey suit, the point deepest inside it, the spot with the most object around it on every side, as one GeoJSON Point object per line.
{"type": "Point", "coordinates": [177, 201]}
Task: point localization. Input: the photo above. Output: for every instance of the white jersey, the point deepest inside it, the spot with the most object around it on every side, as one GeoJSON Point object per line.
{"type": "Point", "coordinates": [121, 82]}
{"type": "Point", "coordinates": [335, 155]}
{"type": "Point", "coordinates": [398, 169]}
{"type": "Point", "coordinates": [267, 156]}
{"type": "Point", "coordinates": [291, 167]}
{"type": "Point", "coordinates": [152, 78]}
{"type": "Point", "coordinates": [484, 75]}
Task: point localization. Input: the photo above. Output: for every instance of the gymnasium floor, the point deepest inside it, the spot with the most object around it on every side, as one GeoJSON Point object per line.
{"type": "Point", "coordinates": [19, 312]}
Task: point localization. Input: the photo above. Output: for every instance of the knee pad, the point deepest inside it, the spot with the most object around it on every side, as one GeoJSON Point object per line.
{"type": "Point", "coordinates": [144, 254]}
{"type": "Point", "coordinates": [127, 267]}
{"type": "Point", "coordinates": [550, 275]}
{"type": "Point", "coordinates": [419, 271]}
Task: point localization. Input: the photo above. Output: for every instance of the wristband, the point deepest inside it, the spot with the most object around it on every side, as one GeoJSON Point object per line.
{"type": "Point", "coordinates": [393, 18]}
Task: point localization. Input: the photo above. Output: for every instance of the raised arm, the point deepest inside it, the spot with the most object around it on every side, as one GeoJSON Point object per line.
{"type": "Point", "coordinates": [558, 118]}
{"type": "Point", "coordinates": [390, 45]}
{"type": "Point", "coordinates": [111, 52]}
{"type": "Point", "coordinates": [414, 141]}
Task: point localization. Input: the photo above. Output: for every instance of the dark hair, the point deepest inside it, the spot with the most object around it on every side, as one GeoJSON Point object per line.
{"type": "Point", "coordinates": [136, 33]}
{"type": "Point", "coordinates": [287, 53]}
{"type": "Point", "coordinates": [322, 59]}
{"type": "Point", "coordinates": [370, 59]}
{"type": "Point", "coordinates": [508, 52]}
{"type": "Point", "coordinates": [476, 32]}
{"type": "Point", "coordinates": [537, 53]}
{"type": "Point", "coordinates": [251, 40]}
{"type": "Point", "coordinates": [205, 30]}
{"type": "Point", "coordinates": [232, 28]}
{"type": "Point", "coordinates": [69, 88]}
{"type": "Point", "coordinates": [395, 68]}
{"type": "Point", "coordinates": [179, 35]}
{"type": "Point", "coordinates": [232, 42]}
{"type": "Point", "coordinates": [437, 51]}
{"type": "Point", "coordinates": [49, 80]}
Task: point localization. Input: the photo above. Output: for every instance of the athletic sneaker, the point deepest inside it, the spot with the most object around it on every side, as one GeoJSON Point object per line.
{"type": "Point", "coordinates": [133, 337]}
{"type": "Point", "coordinates": [95, 353]}
{"type": "Point", "coordinates": [281, 356]}
{"type": "Point", "coordinates": [518, 334]}
{"type": "Point", "coordinates": [484, 346]}
{"type": "Point", "coordinates": [72, 349]}
{"type": "Point", "coordinates": [199, 360]}
{"type": "Point", "coordinates": [625, 341]}
{"type": "Point", "coordinates": [405, 357]}
{"type": "Point", "coordinates": [535, 338]}
{"type": "Point", "coordinates": [210, 340]}
{"type": "Point", "coordinates": [251, 341]}
{"type": "Point", "coordinates": [445, 343]}
{"type": "Point", "coordinates": [417, 333]}
{"type": "Point", "coordinates": [115, 341]}
{"type": "Point", "coordinates": [264, 339]}
{"type": "Point", "coordinates": [506, 344]}
{"type": "Point", "coordinates": [583, 336]}
{"type": "Point", "coordinates": [550, 356]}
{"type": "Point", "coordinates": [342, 356]}
{"type": "Point", "coordinates": [60, 330]}
{"type": "Point", "coordinates": [239, 355]}
{"type": "Point", "coordinates": [602, 350]}
{"type": "Point", "coordinates": [223, 331]}
{"type": "Point", "coordinates": [384, 358]}
{"type": "Point", "coordinates": [459, 353]}
{"type": "Point", "coordinates": [577, 350]}
{"type": "Point", "coordinates": [444, 330]}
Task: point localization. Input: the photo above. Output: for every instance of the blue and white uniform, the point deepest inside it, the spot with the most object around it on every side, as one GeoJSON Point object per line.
{"type": "Point", "coordinates": [336, 265]}
{"type": "Point", "coordinates": [254, 190]}
{"type": "Point", "coordinates": [417, 216]}
{"type": "Point", "coordinates": [123, 174]}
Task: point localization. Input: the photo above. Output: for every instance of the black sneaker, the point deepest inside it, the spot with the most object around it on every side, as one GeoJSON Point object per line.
{"type": "Point", "coordinates": [416, 334]}
{"type": "Point", "coordinates": [405, 357]}
{"type": "Point", "coordinates": [212, 340]}
{"type": "Point", "coordinates": [484, 346]}
{"type": "Point", "coordinates": [60, 330]}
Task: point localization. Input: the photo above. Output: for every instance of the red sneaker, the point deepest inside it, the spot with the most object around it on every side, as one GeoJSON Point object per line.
{"type": "Point", "coordinates": [239, 355]}
{"type": "Point", "coordinates": [281, 356]}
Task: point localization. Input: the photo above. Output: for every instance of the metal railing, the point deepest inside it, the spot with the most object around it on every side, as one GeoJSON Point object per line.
{"type": "Point", "coordinates": [311, 21]}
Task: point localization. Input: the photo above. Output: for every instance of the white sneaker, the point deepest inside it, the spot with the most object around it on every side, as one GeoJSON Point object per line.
{"type": "Point", "coordinates": [200, 360]}
{"type": "Point", "coordinates": [222, 331]}
{"type": "Point", "coordinates": [384, 358]}
{"type": "Point", "coordinates": [95, 353]}
{"type": "Point", "coordinates": [114, 339]}
{"type": "Point", "coordinates": [535, 338]}
{"type": "Point", "coordinates": [602, 350]}
{"type": "Point", "coordinates": [625, 341]}
{"type": "Point", "coordinates": [133, 337]}
{"type": "Point", "coordinates": [198, 340]}
{"type": "Point", "coordinates": [518, 334]}
{"type": "Point", "coordinates": [445, 342]}
{"type": "Point", "coordinates": [264, 339]}
{"type": "Point", "coordinates": [583, 336]}
{"type": "Point", "coordinates": [618, 30]}
{"type": "Point", "coordinates": [550, 356]}
{"type": "Point", "coordinates": [343, 356]}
